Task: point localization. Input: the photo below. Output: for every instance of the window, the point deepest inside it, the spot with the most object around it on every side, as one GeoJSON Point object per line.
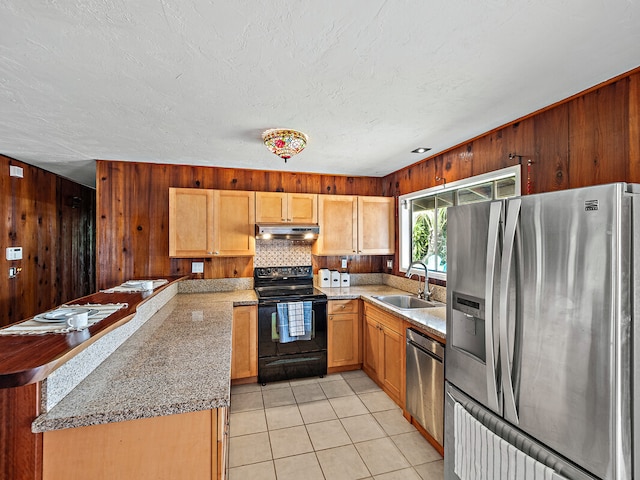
{"type": "Point", "coordinates": [423, 215]}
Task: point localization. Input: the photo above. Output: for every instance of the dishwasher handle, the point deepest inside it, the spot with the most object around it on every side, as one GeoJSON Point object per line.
{"type": "Point", "coordinates": [425, 344]}
{"type": "Point", "coordinates": [426, 352]}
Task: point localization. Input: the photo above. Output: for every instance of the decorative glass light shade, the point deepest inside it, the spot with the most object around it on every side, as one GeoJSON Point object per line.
{"type": "Point", "coordinates": [284, 142]}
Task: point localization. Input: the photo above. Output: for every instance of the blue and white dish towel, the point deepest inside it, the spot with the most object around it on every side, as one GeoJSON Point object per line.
{"type": "Point", "coordinates": [294, 321]}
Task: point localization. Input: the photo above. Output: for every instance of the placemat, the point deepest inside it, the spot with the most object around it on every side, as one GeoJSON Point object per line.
{"type": "Point", "coordinates": [34, 327]}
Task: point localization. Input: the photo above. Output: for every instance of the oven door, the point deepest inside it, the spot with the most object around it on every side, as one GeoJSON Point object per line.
{"type": "Point", "coordinates": [284, 358]}
{"type": "Point", "coordinates": [271, 343]}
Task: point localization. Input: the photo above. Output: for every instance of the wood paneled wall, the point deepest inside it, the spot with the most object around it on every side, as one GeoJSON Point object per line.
{"type": "Point", "coordinates": [133, 213]}
{"type": "Point", "coordinates": [591, 138]}
{"type": "Point", "coordinates": [53, 220]}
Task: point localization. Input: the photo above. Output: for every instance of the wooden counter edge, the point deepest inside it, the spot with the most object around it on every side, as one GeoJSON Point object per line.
{"type": "Point", "coordinates": [38, 373]}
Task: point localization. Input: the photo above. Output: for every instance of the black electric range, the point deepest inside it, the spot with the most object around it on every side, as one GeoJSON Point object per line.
{"type": "Point", "coordinates": [281, 355]}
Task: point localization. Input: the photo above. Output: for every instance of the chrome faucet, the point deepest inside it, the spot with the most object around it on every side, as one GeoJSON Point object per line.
{"type": "Point", "coordinates": [421, 293]}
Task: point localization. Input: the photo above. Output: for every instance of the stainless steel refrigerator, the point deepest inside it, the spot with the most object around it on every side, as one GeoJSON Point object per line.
{"type": "Point", "coordinates": [541, 340]}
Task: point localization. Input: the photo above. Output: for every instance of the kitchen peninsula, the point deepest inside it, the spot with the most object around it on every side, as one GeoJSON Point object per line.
{"type": "Point", "coordinates": [170, 372]}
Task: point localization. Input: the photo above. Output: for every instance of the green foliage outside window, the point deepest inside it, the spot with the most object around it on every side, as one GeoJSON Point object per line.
{"type": "Point", "coordinates": [429, 240]}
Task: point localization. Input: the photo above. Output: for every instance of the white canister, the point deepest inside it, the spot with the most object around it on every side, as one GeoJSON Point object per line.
{"type": "Point", "coordinates": [335, 278]}
{"type": "Point", "coordinates": [345, 279]}
{"type": "Point", "coordinates": [324, 277]}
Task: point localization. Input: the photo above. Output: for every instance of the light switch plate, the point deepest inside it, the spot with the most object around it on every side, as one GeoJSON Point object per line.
{"type": "Point", "coordinates": [197, 267]}
{"type": "Point", "coordinates": [389, 264]}
{"type": "Point", "coordinates": [15, 171]}
{"type": "Point", "coordinates": [344, 263]}
{"type": "Point", "coordinates": [14, 253]}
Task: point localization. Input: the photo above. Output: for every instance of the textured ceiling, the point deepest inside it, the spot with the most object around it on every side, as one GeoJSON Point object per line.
{"type": "Point", "coordinates": [197, 81]}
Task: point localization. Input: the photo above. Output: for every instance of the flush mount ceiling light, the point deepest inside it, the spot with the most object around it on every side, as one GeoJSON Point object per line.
{"type": "Point", "coordinates": [285, 142]}
{"type": "Point", "coordinates": [421, 150]}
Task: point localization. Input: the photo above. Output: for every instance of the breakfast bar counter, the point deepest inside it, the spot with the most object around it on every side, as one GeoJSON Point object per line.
{"type": "Point", "coordinates": [179, 361]}
{"type": "Point", "coordinates": [29, 359]}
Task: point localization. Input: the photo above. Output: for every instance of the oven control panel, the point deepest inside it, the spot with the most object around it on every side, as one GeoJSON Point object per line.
{"type": "Point", "coordinates": [278, 272]}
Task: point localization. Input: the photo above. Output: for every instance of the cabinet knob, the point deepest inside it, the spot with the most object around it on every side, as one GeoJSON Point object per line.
{"type": "Point", "coordinates": [216, 253]}
{"type": "Point", "coordinates": [343, 307]}
{"type": "Point", "coordinates": [209, 253]}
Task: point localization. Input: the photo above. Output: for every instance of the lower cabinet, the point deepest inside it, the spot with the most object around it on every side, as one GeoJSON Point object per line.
{"type": "Point", "coordinates": [188, 445]}
{"type": "Point", "coordinates": [244, 349]}
{"type": "Point", "coordinates": [343, 335]}
{"type": "Point", "coordinates": [384, 351]}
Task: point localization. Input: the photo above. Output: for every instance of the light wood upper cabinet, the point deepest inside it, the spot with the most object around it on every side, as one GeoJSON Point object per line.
{"type": "Point", "coordinates": [278, 207]}
{"type": "Point", "coordinates": [338, 221]}
{"type": "Point", "coordinates": [355, 225]}
{"type": "Point", "coordinates": [206, 223]}
{"type": "Point", "coordinates": [244, 350]}
{"type": "Point", "coordinates": [376, 225]}
{"type": "Point", "coordinates": [235, 226]}
{"type": "Point", "coordinates": [190, 222]}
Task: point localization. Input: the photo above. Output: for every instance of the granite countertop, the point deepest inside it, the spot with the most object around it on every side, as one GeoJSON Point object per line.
{"type": "Point", "coordinates": [179, 361]}
{"type": "Point", "coordinates": [430, 320]}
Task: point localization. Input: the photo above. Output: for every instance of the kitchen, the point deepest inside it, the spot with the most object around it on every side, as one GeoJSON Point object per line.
{"type": "Point", "coordinates": [130, 215]}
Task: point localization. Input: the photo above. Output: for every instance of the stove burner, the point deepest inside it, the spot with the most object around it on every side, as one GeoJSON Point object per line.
{"type": "Point", "coordinates": [286, 283]}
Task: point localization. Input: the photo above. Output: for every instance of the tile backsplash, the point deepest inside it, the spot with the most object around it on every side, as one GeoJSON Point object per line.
{"type": "Point", "coordinates": [282, 253]}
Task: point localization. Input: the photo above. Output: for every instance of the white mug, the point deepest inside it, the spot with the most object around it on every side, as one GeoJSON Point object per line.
{"type": "Point", "coordinates": [78, 320]}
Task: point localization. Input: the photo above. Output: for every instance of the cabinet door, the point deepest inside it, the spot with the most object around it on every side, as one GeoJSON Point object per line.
{"type": "Point", "coordinates": [244, 350]}
{"type": "Point", "coordinates": [390, 368]}
{"type": "Point", "coordinates": [302, 208]}
{"type": "Point", "coordinates": [235, 223]}
{"type": "Point", "coordinates": [159, 448]}
{"type": "Point", "coordinates": [371, 354]}
{"type": "Point", "coordinates": [271, 207]}
{"type": "Point", "coordinates": [337, 217]}
{"type": "Point", "coordinates": [376, 225]}
{"type": "Point", "coordinates": [343, 345]}
{"type": "Point", "coordinates": [191, 235]}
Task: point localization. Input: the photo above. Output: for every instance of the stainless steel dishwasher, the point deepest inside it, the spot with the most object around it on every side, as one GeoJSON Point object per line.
{"type": "Point", "coordinates": [425, 383]}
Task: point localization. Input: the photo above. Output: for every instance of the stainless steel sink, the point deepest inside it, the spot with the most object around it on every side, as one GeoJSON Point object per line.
{"type": "Point", "coordinates": [405, 302]}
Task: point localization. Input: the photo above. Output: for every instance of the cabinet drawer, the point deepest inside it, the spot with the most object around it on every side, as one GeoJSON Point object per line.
{"type": "Point", "coordinates": [337, 307]}
{"type": "Point", "coordinates": [383, 318]}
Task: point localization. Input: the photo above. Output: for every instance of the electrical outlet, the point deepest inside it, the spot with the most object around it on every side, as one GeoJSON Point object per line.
{"type": "Point", "coordinates": [197, 267]}
{"type": "Point", "coordinates": [389, 264]}
{"type": "Point", "coordinates": [14, 271]}
{"type": "Point", "coordinates": [344, 263]}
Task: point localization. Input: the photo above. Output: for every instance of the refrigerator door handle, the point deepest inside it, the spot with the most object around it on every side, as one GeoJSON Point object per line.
{"type": "Point", "coordinates": [513, 213]}
{"type": "Point", "coordinates": [491, 340]}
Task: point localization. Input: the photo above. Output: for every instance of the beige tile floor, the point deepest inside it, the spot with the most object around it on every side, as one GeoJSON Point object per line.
{"type": "Point", "coordinates": [341, 427]}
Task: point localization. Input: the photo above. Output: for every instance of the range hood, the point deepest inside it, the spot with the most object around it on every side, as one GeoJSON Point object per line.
{"type": "Point", "coordinates": [266, 231]}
